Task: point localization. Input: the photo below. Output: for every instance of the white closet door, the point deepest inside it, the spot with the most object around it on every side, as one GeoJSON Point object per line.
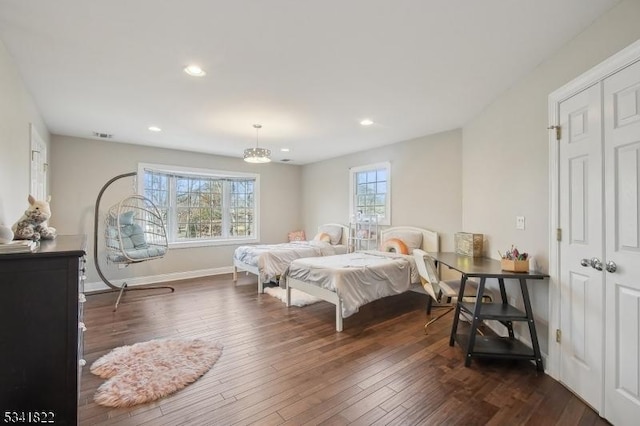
{"type": "Point", "coordinates": [622, 195]}
{"type": "Point", "coordinates": [581, 287]}
{"type": "Point", "coordinates": [38, 187]}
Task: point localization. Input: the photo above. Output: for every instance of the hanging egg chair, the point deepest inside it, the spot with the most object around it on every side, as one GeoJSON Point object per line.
{"type": "Point", "coordinates": [134, 232]}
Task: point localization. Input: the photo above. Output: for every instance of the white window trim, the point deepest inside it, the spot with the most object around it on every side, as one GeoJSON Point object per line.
{"type": "Point", "coordinates": [193, 171]}
{"type": "Point", "coordinates": [352, 188]}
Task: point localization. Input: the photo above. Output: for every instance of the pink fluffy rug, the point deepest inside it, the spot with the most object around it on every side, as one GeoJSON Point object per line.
{"type": "Point", "coordinates": [150, 370]}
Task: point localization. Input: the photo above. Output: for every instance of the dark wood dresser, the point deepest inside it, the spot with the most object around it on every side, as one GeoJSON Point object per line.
{"type": "Point", "coordinates": [41, 309]}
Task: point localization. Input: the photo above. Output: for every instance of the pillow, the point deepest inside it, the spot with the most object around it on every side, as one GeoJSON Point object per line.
{"type": "Point", "coordinates": [297, 236]}
{"type": "Point", "coordinates": [334, 231]}
{"type": "Point", "coordinates": [412, 239]}
{"type": "Point", "coordinates": [322, 236]}
{"type": "Point", "coordinates": [395, 245]}
{"type": "Point", "coordinates": [137, 237]}
{"type": "Point", "coordinates": [125, 237]}
{"type": "Point", "coordinates": [126, 218]}
{"type": "Point", "coordinates": [111, 237]}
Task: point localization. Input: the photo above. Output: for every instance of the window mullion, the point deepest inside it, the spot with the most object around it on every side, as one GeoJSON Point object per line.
{"type": "Point", "coordinates": [225, 208]}
{"type": "Point", "coordinates": [173, 214]}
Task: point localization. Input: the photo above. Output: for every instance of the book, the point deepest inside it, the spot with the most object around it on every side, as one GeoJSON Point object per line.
{"type": "Point", "coordinates": [18, 246]}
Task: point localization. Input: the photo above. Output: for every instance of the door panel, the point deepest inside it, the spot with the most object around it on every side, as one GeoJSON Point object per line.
{"type": "Point", "coordinates": [626, 340]}
{"type": "Point", "coordinates": [578, 294]}
{"type": "Point", "coordinates": [621, 94]}
{"type": "Point", "coordinates": [578, 186]}
{"type": "Point", "coordinates": [580, 203]}
{"type": "Point", "coordinates": [626, 231]}
{"type": "Point", "coordinates": [38, 166]}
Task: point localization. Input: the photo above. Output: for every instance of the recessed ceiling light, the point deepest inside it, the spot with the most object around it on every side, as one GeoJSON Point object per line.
{"type": "Point", "coordinates": [195, 71]}
{"type": "Point", "coordinates": [366, 122]}
{"type": "Point", "coordinates": [285, 149]}
{"type": "Point", "coordinates": [155, 129]}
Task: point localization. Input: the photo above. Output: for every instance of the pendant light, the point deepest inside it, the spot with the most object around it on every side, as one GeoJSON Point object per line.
{"type": "Point", "coordinates": [257, 155]}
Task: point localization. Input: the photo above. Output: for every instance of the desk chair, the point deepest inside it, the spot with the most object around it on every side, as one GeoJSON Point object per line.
{"type": "Point", "coordinates": [444, 293]}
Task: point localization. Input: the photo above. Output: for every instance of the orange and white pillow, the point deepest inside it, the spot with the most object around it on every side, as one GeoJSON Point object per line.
{"type": "Point", "coordinates": [411, 239]}
{"type": "Point", "coordinates": [334, 231]}
{"type": "Point", "coordinates": [395, 245]}
{"type": "Point", "coordinates": [322, 236]}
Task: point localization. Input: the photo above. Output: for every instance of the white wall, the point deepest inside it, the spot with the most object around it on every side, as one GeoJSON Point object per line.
{"type": "Point", "coordinates": [17, 111]}
{"type": "Point", "coordinates": [426, 185]}
{"type": "Point", "coordinates": [506, 149]}
{"type": "Point", "coordinates": [82, 166]}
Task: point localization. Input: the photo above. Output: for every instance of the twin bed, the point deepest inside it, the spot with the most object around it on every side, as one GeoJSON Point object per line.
{"type": "Point", "coordinates": [326, 270]}
{"type": "Point", "coordinates": [355, 279]}
{"type": "Point", "coordinates": [269, 261]}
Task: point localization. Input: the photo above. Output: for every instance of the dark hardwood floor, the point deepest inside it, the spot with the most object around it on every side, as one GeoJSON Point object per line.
{"type": "Point", "coordinates": [289, 366]}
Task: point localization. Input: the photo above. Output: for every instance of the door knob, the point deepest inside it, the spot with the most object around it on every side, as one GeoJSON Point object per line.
{"type": "Point", "coordinates": [596, 263]}
{"type": "Point", "coordinates": [611, 266]}
{"type": "Point", "coordinates": [585, 262]}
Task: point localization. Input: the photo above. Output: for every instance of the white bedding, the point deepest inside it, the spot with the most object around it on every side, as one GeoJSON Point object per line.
{"type": "Point", "coordinates": [357, 278]}
{"type": "Point", "coordinates": [272, 259]}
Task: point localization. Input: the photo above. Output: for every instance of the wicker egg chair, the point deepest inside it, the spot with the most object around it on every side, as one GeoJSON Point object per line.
{"type": "Point", "coordinates": [134, 232]}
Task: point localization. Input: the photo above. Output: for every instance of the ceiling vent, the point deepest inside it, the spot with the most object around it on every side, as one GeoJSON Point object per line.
{"type": "Point", "coordinates": [102, 135]}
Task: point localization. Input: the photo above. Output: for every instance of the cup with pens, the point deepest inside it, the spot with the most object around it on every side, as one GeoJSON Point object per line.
{"type": "Point", "coordinates": [514, 261]}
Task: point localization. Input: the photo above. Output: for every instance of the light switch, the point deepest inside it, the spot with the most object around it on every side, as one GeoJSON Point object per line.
{"type": "Point", "coordinates": [520, 222]}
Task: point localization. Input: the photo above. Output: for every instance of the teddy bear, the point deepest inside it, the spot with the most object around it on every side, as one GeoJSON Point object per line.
{"type": "Point", "coordinates": [33, 223]}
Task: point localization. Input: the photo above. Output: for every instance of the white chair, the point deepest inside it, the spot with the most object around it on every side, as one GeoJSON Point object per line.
{"type": "Point", "coordinates": [444, 293]}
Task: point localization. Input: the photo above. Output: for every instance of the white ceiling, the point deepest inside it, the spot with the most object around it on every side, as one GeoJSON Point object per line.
{"type": "Point", "coordinates": [308, 71]}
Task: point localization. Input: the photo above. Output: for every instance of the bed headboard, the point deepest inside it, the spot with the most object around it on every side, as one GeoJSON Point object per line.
{"type": "Point", "coordinates": [344, 240]}
{"type": "Point", "coordinates": [430, 241]}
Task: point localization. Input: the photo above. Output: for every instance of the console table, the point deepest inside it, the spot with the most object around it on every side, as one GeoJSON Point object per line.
{"type": "Point", "coordinates": [492, 346]}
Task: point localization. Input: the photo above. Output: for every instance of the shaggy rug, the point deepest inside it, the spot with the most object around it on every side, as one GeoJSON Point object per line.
{"type": "Point", "coordinates": [298, 298]}
{"type": "Point", "coordinates": [150, 370]}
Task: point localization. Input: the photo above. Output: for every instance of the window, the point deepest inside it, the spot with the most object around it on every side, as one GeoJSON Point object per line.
{"type": "Point", "coordinates": [369, 192]}
{"type": "Point", "coordinates": [202, 207]}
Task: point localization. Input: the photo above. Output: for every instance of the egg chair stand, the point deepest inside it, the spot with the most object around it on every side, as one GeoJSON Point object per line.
{"type": "Point", "coordinates": [134, 233]}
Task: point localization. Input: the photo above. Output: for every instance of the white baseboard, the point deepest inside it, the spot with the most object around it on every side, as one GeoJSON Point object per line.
{"type": "Point", "coordinates": [155, 279]}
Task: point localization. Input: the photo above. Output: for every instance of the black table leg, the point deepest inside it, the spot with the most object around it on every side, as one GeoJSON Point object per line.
{"type": "Point", "coordinates": [532, 325]}
{"type": "Point", "coordinates": [475, 321]}
{"type": "Point", "coordinates": [456, 315]}
{"type": "Point", "coordinates": [503, 294]}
